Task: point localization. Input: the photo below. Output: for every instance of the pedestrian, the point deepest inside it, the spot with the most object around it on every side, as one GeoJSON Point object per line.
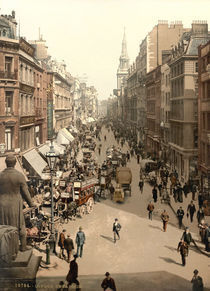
{"type": "Point", "coordinates": [150, 208]}
{"type": "Point", "coordinates": [185, 189]}
{"type": "Point", "coordinates": [141, 185]}
{"type": "Point", "coordinates": [73, 273]}
{"type": "Point", "coordinates": [80, 240]}
{"type": "Point", "coordinates": [200, 215]}
{"type": "Point", "coordinates": [116, 229]}
{"type": "Point", "coordinates": [183, 249]}
{"type": "Point", "coordinates": [128, 156]}
{"type": "Point", "coordinates": [108, 283]}
{"type": "Point", "coordinates": [165, 219]}
{"type": "Point", "coordinates": [207, 237]}
{"type": "Point", "coordinates": [186, 236]}
{"type": "Point", "coordinates": [69, 246]}
{"type": "Point", "coordinates": [180, 215]}
{"type": "Point", "coordinates": [61, 244]}
{"type": "Point", "coordinates": [197, 282]}
{"type": "Point", "coordinates": [112, 190]}
{"type": "Point", "coordinates": [194, 190]}
{"type": "Point", "coordinates": [160, 186]}
{"type": "Point", "coordinates": [191, 210]}
{"type": "Point", "coordinates": [200, 200]}
{"type": "Point", "coordinates": [138, 158]}
{"type": "Point", "coordinates": [154, 194]}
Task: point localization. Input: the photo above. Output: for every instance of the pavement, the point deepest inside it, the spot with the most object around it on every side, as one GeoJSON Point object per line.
{"type": "Point", "coordinates": [144, 255]}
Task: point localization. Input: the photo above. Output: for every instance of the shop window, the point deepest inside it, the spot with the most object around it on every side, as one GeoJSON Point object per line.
{"type": "Point", "coordinates": [8, 138]}
{"type": "Point", "coordinates": [9, 102]}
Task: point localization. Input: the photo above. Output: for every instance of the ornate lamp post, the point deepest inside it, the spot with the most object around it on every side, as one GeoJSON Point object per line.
{"type": "Point", "coordinates": [51, 159]}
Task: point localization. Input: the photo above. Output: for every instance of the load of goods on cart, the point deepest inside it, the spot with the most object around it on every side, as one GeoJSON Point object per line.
{"type": "Point", "coordinates": [147, 170]}
{"type": "Point", "coordinates": [123, 180]}
{"type": "Point", "coordinates": [115, 157]}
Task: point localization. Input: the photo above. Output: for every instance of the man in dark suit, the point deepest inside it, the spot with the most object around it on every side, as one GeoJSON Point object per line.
{"type": "Point", "coordinates": [13, 190]}
{"type": "Point", "coordinates": [116, 229]}
{"type": "Point", "coordinates": [73, 273]}
{"type": "Point", "coordinates": [108, 283]}
{"type": "Point", "coordinates": [69, 246]}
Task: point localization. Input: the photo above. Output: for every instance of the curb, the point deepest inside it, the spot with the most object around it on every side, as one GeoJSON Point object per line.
{"type": "Point", "coordinates": [197, 247]}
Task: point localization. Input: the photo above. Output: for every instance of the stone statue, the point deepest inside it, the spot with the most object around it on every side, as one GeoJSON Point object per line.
{"type": "Point", "coordinates": [13, 189]}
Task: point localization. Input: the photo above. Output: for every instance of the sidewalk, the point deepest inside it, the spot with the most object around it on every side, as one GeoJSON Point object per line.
{"type": "Point", "coordinates": [186, 220]}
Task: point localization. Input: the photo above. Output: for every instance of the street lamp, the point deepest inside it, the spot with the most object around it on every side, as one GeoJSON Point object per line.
{"type": "Point", "coordinates": [51, 159]}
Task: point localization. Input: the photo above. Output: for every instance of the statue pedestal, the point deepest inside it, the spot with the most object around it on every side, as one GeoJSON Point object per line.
{"type": "Point", "coordinates": [21, 273]}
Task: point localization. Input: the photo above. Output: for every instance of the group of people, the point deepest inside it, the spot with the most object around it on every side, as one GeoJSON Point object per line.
{"type": "Point", "coordinates": [66, 244]}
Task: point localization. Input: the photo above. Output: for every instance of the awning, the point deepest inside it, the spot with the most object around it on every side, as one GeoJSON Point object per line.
{"type": "Point", "coordinates": [18, 166]}
{"type": "Point", "coordinates": [36, 161]}
{"type": "Point", "coordinates": [64, 136]}
{"type": "Point", "coordinates": [45, 148]}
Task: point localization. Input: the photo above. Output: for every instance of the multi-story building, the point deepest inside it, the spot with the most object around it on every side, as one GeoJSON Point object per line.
{"type": "Point", "coordinates": [153, 97]}
{"type": "Point", "coordinates": [184, 96]}
{"type": "Point", "coordinates": [162, 37]}
{"type": "Point", "coordinates": [132, 98]}
{"type": "Point", "coordinates": [204, 116]}
{"type": "Point", "coordinates": [165, 111]}
{"type": "Point", "coordinates": [22, 92]}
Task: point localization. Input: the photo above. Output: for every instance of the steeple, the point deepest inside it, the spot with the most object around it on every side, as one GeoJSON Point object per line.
{"type": "Point", "coordinates": [124, 53]}
{"type": "Point", "coordinates": [124, 63]}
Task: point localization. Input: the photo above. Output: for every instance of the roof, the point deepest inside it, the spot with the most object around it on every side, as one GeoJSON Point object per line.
{"type": "Point", "coordinates": [194, 44]}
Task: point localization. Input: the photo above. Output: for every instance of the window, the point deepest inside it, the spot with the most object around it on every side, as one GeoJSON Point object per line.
{"type": "Point", "coordinates": [8, 138]}
{"type": "Point", "coordinates": [9, 102]}
{"type": "Point", "coordinates": [196, 67]}
{"type": "Point", "coordinates": [8, 64]}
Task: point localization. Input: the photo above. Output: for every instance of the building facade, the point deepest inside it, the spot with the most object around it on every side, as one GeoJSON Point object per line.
{"type": "Point", "coordinates": [153, 97]}
{"type": "Point", "coordinates": [22, 95]}
{"type": "Point", "coordinates": [184, 97]}
{"type": "Point", "coordinates": [204, 117]}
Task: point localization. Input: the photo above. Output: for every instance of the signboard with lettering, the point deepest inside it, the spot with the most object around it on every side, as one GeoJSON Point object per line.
{"type": "Point", "coordinates": [27, 120]}
{"type": "Point", "coordinates": [26, 89]}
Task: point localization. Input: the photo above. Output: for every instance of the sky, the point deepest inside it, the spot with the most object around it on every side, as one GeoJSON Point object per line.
{"type": "Point", "coordinates": [87, 34]}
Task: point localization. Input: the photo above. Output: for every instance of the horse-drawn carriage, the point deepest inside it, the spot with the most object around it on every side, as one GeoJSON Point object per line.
{"type": "Point", "coordinates": [83, 195]}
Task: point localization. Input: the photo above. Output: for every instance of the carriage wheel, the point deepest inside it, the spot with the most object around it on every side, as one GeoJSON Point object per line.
{"type": "Point", "coordinates": [90, 205]}
{"type": "Point", "coordinates": [82, 211]}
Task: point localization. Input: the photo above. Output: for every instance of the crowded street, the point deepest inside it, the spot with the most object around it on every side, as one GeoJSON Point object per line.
{"type": "Point", "coordinates": [104, 145]}
{"type": "Point", "coordinates": [141, 241]}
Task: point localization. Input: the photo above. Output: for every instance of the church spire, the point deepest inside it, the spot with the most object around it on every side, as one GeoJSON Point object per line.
{"type": "Point", "coordinates": [124, 53]}
{"type": "Point", "coordinates": [124, 63]}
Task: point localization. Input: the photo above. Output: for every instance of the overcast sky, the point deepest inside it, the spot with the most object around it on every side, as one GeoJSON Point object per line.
{"type": "Point", "coordinates": [87, 34]}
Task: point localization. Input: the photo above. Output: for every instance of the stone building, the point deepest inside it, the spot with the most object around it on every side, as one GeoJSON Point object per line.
{"type": "Point", "coordinates": [22, 93]}
{"type": "Point", "coordinates": [165, 110]}
{"type": "Point", "coordinates": [132, 99]}
{"type": "Point", "coordinates": [153, 97]}
{"type": "Point", "coordinates": [204, 116]}
{"type": "Point", "coordinates": [184, 96]}
{"type": "Point", "coordinates": [160, 38]}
